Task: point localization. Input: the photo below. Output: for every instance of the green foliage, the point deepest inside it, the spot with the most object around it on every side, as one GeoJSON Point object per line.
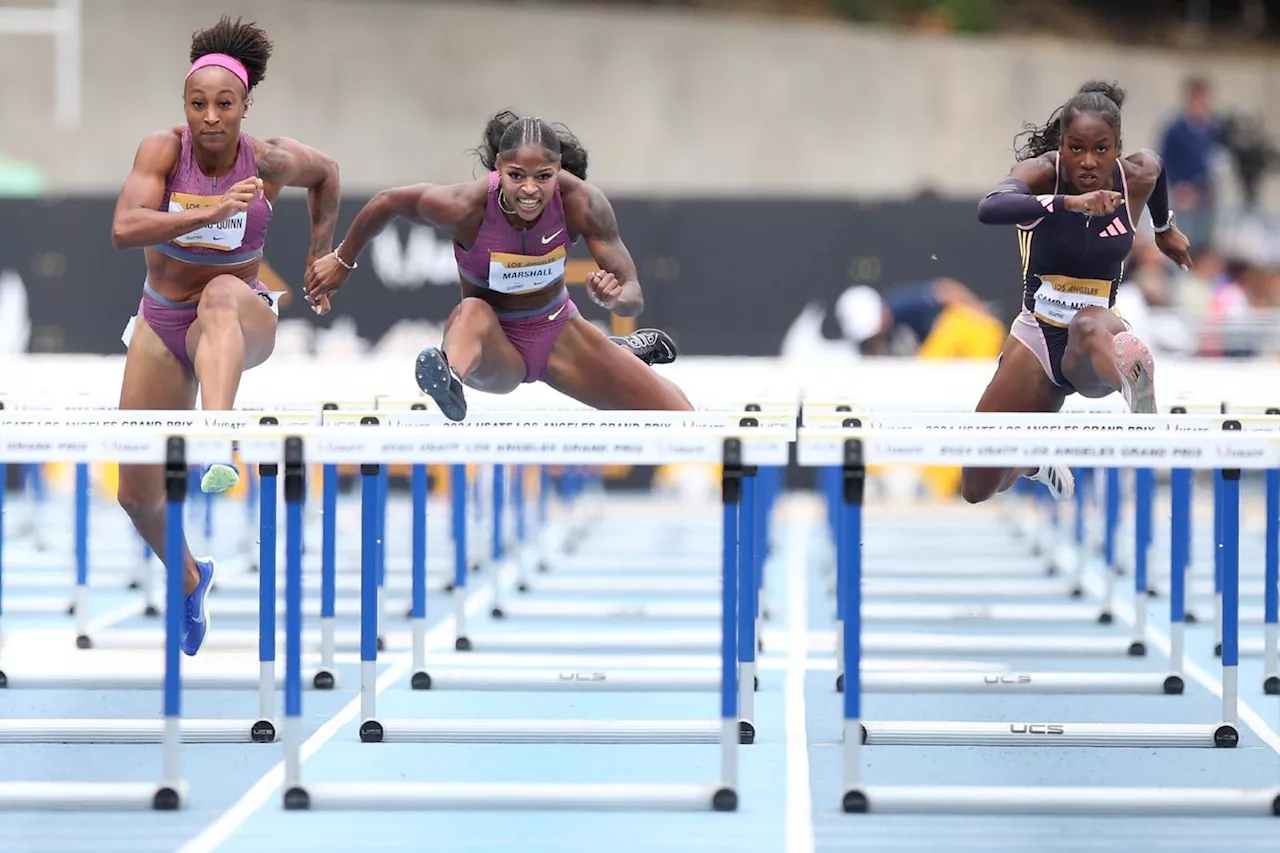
{"type": "Point", "coordinates": [973, 16]}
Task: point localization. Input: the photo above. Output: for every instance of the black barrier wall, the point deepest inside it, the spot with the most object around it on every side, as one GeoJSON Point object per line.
{"type": "Point", "coordinates": [724, 277]}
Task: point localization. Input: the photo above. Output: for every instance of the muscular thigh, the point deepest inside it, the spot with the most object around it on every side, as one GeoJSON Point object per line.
{"type": "Point", "coordinates": [500, 368]}
{"type": "Point", "coordinates": [588, 367]}
{"type": "Point", "coordinates": [1020, 384]}
{"type": "Point", "coordinates": [154, 379]}
{"type": "Point", "coordinates": [257, 319]}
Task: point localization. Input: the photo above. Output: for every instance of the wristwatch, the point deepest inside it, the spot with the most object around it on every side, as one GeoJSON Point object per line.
{"type": "Point", "coordinates": [1160, 229]}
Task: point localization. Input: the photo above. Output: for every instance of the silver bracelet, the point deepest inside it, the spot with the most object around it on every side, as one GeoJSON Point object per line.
{"type": "Point", "coordinates": [1160, 229]}
{"type": "Point", "coordinates": [344, 263]}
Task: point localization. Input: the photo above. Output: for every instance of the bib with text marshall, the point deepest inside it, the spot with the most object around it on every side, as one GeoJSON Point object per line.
{"type": "Point", "coordinates": [512, 273]}
{"type": "Point", "coordinates": [1060, 297]}
{"type": "Point", "coordinates": [224, 236]}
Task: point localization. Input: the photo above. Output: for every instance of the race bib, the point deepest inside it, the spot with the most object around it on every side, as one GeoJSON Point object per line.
{"type": "Point", "coordinates": [1060, 297]}
{"type": "Point", "coordinates": [512, 273]}
{"type": "Point", "coordinates": [224, 236]}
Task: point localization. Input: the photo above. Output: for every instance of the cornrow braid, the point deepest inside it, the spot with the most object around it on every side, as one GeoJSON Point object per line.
{"type": "Point", "coordinates": [506, 132]}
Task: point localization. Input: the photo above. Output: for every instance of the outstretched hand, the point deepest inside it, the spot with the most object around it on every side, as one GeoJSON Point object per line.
{"type": "Point", "coordinates": [1175, 246]}
{"type": "Point", "coordinates": [325, 275]}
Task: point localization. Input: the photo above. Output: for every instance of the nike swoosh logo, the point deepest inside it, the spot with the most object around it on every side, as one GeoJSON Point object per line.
{"type": "Point", "coordinates": [557, 313]}
{"type": "Point", "coordinates": [548, 239]}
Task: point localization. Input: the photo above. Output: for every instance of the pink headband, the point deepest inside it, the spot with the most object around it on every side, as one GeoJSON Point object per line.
{"type": "Point", "coordinates": [222, 61]}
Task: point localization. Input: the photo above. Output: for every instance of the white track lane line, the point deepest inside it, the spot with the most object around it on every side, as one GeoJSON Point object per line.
{"type": "Point", "coordinates": [233, 818]}
{"type": "Point", "coordinates": [799, 819]}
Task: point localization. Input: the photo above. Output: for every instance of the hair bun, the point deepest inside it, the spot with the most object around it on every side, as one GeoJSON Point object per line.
{"type": "Point", "coordinates": [1101, 87]}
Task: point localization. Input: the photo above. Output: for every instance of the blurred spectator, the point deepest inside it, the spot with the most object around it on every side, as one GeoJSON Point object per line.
{"type": "Point", "coordinates": [1148, 301]}
{"type": "Point", "coordinates": [1187, 148]}
{"type": "Point", "coordinates": [1242, 312]}
{"type": "Point", "coordinates": [934, 319]}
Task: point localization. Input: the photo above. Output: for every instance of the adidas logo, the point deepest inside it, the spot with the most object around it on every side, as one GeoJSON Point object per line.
{"type": "Point", "coordinates": [1115, 229]}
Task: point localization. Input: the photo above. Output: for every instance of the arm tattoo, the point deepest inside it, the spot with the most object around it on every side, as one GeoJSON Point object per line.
{"type": "Point", "coordinates": [600, 218]}
{"type": "Point", "coordinates": [323, 204]}
{"type": "Point", "coordinates": [274, 163]}
{"type": "Point", "coordinates": [610, 252]}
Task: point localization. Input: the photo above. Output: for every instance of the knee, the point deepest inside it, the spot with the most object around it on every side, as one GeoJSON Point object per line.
{"type": "Point", "coordinates": [135, 497]}
{"type": "Point", "coordinates": [219, 297]}
{"type": "Point", "coordinates": [472, 311]}
{"type": "Point", "coordinates": [1087, 331]}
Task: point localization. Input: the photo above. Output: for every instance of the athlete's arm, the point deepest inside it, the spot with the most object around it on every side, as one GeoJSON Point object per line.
{"type": "Point", "coordinates": [617, 285]}
{"type": "Point", "coordinates": [137, 222]}
{"type": "Point", "coordinates": [422, 204]}
{"type": "Point", "coordinates": [1023, 197]}
{"type": "Point", "coordinates": [1149, 179]}
{"type": "Point", "coordinates": [289, 163]}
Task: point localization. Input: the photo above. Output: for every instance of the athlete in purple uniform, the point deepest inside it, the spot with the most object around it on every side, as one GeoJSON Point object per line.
{"type": "Point", "coordinates": [198, 202]}
{"type": "Point", "coordinates": [512, 232]}
{"type": "Point", "coordinates": [1076, 203]}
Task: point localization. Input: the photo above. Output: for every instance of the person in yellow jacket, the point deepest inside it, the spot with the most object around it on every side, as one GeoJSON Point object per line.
{"type": "Point", "coordinates": [937, 319]}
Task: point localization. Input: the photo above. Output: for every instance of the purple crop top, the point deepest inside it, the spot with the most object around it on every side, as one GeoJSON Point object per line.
{"type": "Point", "coordinates": [238, 238]}
{"type": "Point", "coordinates": [511, 260]}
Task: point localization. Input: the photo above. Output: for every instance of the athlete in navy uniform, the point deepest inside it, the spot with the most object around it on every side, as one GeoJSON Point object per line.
{"type": "Point", "coordinates": [1076, 203]}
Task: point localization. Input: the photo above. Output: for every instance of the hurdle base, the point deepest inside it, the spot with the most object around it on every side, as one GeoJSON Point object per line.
{"type": "Point", "coordinates": [13, 730]}
{"type": "Point", "coordinates": [1270, 685]}
{"type": "Point", "coordinates": [571, 680]}
{"type": "Point", "coordinates": [541, 731]}
{"type": "Point", "coordinates": [419, 796]}
{"type": "Point", "coordinates": [1121, 735]}
{"type": "Point", "coordinates": [993, 800]}
{"type": "Point", "coordinates": [91, 796]}
{"type": "Point", "coordinates": [324, 680]}
{"type": "Point", "coordinates": [1034, 683]}
{"type": "Point", "coordinates": [746, 732]}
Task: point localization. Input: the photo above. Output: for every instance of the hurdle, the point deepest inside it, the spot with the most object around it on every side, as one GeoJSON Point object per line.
{"type": "Point", "coordinates": [853, 449]}
{"type": "Point", "coordinates": [174, 452]}
{"type": "Point", "coordinates": [1178, 421]}
{"type": "Point", "coordinates": [733, 449]}
{"type": "Point", "coordinates": [584, 731]}
{"type": "Point", "coordinates": [266, 681]}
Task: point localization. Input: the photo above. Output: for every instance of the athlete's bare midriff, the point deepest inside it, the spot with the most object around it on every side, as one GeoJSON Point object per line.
{"type": "Point", "coordinates": [184, 282]}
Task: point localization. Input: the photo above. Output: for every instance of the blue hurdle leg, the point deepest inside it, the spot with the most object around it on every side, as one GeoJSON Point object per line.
{"type": "Point", "coordinates": [458, 507]}
{"type": "Point", "coordinates": [267, 588]}
{"type": "Point", "coordinates": [1271, 572]}
{"type": "Point", "coordinates": [747, 606]}
{"type": "Point", "coordinates": [80, 607]}
{"type": "Point", "coordinates": [326, 676]}
{"type": "Point", "coordinates": [294, 491]}
{"type": "Point", "coordinates": [1230, 590]}
{"type": "Point", "coordinates": [418, 568]}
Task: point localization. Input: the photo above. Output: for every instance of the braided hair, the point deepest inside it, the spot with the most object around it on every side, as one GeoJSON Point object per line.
{"type": "Point", "coordinates": [506, 132]}
{"type": "Point", "coordinates": [1095, 97]}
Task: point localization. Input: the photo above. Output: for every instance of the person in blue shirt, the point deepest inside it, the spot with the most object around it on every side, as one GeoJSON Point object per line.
{"type": "Point", "coordinates": [1187, 150]}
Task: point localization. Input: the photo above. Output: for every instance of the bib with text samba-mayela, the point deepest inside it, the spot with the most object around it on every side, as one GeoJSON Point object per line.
{"type": "Point", "coordinates": [513, 273]}
{"type": "Point", "coordinates": [224, 236]}
{"type": "Point", "coordinates": [1060, 297]}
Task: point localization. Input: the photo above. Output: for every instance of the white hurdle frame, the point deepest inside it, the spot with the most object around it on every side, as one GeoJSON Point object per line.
{"type": "Point", "coordinates": [734, 448]}
{"type": "Point", "coordinates": [174, 452]}
{"type": "Point", "coordinates": [852, 449]}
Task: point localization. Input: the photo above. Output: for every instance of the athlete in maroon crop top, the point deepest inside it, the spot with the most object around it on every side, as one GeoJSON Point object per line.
{"type": "Point", "coordinates": [512, 231]}
{"type": "Point", "coordinates": [198, 202]}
